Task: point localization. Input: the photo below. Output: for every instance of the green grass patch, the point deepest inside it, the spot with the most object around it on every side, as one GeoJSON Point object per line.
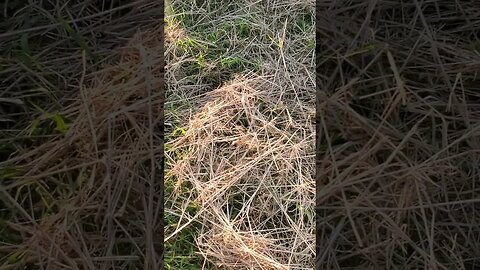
{"type": "Point", "coordinates": [208, 46]}
{"type": "Point", "coordinates": [181, 251]}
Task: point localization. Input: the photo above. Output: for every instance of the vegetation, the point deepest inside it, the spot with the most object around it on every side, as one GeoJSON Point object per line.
{"type": "Point", "coordinates": [397, 129]}
{"type": "Point", "coordinates": [240, 92]}
{"type": "Point", "coordinates": [73, 167]}
{"type": "Point", "coordinates": [87, 132]}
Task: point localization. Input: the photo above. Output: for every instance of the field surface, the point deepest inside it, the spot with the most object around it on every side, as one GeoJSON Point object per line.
{"type": "Point", "coordinates": [384, 94]}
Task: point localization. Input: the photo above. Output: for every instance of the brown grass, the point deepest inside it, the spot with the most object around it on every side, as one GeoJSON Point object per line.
{"type": "Point", "coordinates": [397, 145]}
{"type": "Point", "coordinates": [245, 162]}
{"type": "Point", "coordinates": [101, 196]}
{"type": "Point", "coordinates": [249, 161]}
{"type": "Point", "coordinates": [397, 135]}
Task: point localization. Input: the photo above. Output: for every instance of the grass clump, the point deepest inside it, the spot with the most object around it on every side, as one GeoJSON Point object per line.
{"type": "Point", "coordinates": [243, 192]}
{"type": "Point", "coordinates": [398, 121]}
{"type": "Point", "coordinates": [73, 168]}
{"type": "Point", "coordinates": [226, 61]}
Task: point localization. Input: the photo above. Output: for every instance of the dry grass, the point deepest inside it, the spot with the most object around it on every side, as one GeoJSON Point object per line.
{"type": "Point", "coordinates": [90, 198]}
{"type": "Point", "coordinates": [242, 171]}
{"type": "Point", "coordinates": [398, 133]}
{"type": "Point", "coordinates": [397, 140]}
{"type": "Point", "coordinates": [249, 162]}
{"type": "Point", "coordinates": [87, 196]}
